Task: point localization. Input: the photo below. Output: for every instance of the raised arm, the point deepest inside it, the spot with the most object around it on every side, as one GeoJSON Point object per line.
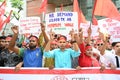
{"type": "Point", "coordinates": [73, 41]}
{"type": "Point", "coordinates": [79, 37]}
{"type": "Point", "coordinates": [47, 47]}
{"type": "Point", "coordinates": [89, 35]}
{"type": "Point", "coordinates": [13, 41]}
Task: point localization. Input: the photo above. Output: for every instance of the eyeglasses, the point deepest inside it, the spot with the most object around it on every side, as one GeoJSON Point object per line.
{"type": "Point", "coordinates": [100, 44]}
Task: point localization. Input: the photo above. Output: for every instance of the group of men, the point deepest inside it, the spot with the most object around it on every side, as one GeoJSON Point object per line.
{"type": "Point", "coordinates": [58, 53]}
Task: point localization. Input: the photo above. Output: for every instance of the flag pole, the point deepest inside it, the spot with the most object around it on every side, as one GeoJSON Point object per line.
{"type": "Point", "coordinates": [5, 27]}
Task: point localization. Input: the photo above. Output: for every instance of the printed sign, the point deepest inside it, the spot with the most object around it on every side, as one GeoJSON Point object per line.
{"type": "Point", "coordinates": [62, 22]}
{"type": "Point", "coordinates": [30, 25]}
{"type": "Point", "coordinates": [91, 73]}
{"type": "Point", "coordinates": [112, 27]}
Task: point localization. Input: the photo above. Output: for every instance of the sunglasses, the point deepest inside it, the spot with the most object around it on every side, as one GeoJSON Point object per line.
{"type": "Point", "coordinates": [100, 44]}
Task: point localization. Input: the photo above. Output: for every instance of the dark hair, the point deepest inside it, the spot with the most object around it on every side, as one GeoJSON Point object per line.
{"type": "Point", "coordinates": [114, 43]}
{"type": "Point", "coordinates": [2, 37]}
{"type": "Point", "coordinates": [87, 45]}
{"type": "Point", "coordinates": [9, 35]}
{"type": "Point", "coordinates": [62, 36]}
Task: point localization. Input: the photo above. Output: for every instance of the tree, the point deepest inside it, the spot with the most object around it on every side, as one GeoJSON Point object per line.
{"type": "Point", "coordinates": [17, 4]}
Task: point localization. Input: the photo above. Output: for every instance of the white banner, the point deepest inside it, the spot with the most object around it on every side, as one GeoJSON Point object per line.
{"type": "Point", "coordinates": [62, 22]}
{"type": "Point", "coordinates": [59, 74]}
{"type": "Point", "coordinates": [94, 29]}
{"type": "Point", "coordinates": [30, 25]}
{"type": "Point", "coordinates": [111, 27]}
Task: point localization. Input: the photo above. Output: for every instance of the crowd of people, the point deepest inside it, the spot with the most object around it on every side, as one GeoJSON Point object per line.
{"type": "Point", "coordinates": [58, 52]}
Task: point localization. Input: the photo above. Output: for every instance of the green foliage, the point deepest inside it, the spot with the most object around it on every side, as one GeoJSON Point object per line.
{"type": "Point", "coordinates": [17, 4]}
{"type": "Point", "coordinates": [1, 0]}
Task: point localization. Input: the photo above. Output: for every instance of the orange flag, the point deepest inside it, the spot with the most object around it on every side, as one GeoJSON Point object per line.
{"type": "Point", "coordinates": [106, 8]}
{"type": "Point", "coordinates": [81, 17]}
{"type": "Point", "coordinates": [2, 11]}
{"type": "Point", "coordinates": [43, 6]}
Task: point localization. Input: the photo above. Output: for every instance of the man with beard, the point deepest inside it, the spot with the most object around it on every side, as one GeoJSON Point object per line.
{"type": "Point", "coordinates": [32, 56]}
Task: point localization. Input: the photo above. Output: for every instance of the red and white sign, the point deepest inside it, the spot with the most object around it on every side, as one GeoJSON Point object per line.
{"type": "Point", "coordinates": [85, 27]}
{"type": "Point", "coordinates": [111, 27]}
{"type": "Point", "coordinates": [30, 25]}
{"type": "Point", "coordinates": [59, 74]}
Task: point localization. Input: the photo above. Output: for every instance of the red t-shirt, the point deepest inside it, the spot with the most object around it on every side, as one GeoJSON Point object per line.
{"type": "Point", "coordinates": [86, 61]}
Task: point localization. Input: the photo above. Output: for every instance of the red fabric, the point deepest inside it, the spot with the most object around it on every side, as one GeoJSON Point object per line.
{"type": "Point", "coordinates": [2, 11]}
{"type": "Point", "coordinates": [86, 61]}
{"type": "Point", "coordinates": [88, 47]}
{"type": "Point", "coordinates": [94, 21]}
{"type": "Point", "coordinates": [43, 6]}
{"type": "Point", "coordinates": [106, 8]}
{"type": "Point", "coordinates": [8, 18]}
{"type": "Point", "coordinates": [81, 17]}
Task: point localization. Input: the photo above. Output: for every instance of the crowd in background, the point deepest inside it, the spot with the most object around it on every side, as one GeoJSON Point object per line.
{"type": "Point", "coordinates": [57, 52]}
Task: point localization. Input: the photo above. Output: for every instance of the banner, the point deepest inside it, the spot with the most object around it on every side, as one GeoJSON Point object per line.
{"type": "Point", "coordinates": [61, 22]}
{"type": "Point", "coordinates": [112, 27]}
{"type": "Point", "coordinates": [94, 29]}
{"type": "Point", "coordinates": [30, 25]}
{"type": "Point", "coordinates": [59, 74]}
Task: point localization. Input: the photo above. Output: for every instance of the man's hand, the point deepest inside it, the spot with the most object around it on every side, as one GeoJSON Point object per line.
{"type": "Point", "coordinates": [42, 26]}
{"type": "Point", "coordinates": [15, 29]}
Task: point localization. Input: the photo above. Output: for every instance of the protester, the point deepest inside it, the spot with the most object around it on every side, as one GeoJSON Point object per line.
{"type": "Point", "coordinates": [86, 59]}
{"type": "Point", "coordinates": [32, 56]}
{"type": "Point", "coordinates": [49, 62]}
{"type": "Point", "coordinates": [2, 47]}
{"type": "Point", "coordinates": [62, 55]}
{"type": "Point", "coordinates": [112, 58]}
{"type": "Point", "coordinates": [9, 58]}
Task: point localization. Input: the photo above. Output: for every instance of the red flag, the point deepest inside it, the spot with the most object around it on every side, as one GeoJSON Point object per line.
{"type": "Point", "coordinates": [81, 17]}
{"type": "Point", "coordinates": [106, 8]}
{"type": "Point", "coordinates": [2, 8]}
{"type": "Point", "coordinates": [2, 11]}
{"type": "Point", "coordinates": [8, 18]}
{"type": "Point", "coordinates": [43, 6]}
{"type": "Point", "coordinates": [94, 21]}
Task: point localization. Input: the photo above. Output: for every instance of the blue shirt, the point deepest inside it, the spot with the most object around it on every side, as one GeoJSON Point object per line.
{"type": "Point", "coordinates": [31, 58]}
{"type": "Point", "coordinates": [62, 58]}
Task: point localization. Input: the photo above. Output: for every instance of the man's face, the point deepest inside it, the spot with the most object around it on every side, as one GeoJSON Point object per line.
{"type": "Point", "coordinates": [33, 43]}
{"type": "Point", "coordinates": [89, 52]}
{"type": "Point", "coordinates": [7, 41]}
{"type": "Point", "coordinates": [99, 45]}
{"type": "Point", "coordinates": [2, 43]}
{"type": "Point", "coordinates": [116, 47]}
{"type": "Point", "coordinates": [62, 43]}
